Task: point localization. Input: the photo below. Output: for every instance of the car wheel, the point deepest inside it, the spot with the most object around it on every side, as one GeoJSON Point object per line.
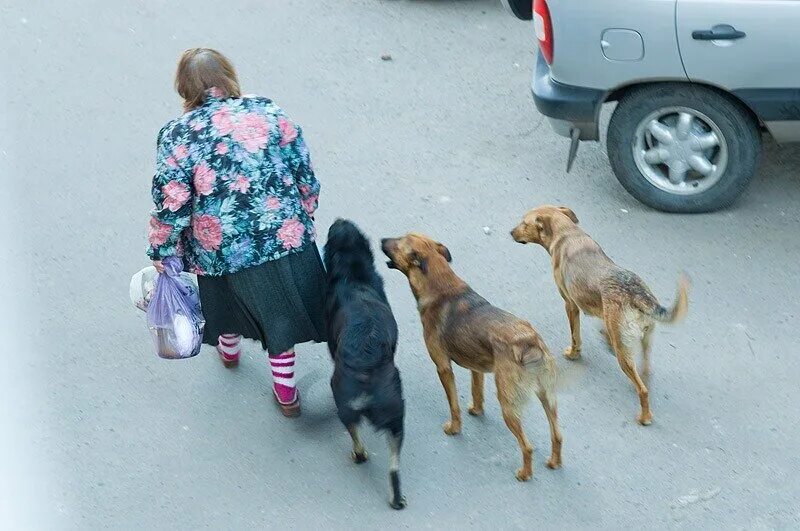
{"type": "Point", "coordinates": [683, 148]}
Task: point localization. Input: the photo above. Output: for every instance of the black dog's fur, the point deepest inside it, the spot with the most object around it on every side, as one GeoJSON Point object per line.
{"type": "Point", "coordinates": [362, 338]}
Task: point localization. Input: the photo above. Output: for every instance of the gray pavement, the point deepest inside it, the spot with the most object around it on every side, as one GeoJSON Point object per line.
{"type": "Point", "coordinates": [99, 433]}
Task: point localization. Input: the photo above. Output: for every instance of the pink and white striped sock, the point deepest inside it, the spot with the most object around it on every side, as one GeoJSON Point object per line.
{"type": "Point", "coordinates": [229, 346]}
{"type": "Point", "coordinates": [283, 377]}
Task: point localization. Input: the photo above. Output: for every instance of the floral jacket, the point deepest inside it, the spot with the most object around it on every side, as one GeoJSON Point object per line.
{"type": "Point", "coordinates": [233, 188]}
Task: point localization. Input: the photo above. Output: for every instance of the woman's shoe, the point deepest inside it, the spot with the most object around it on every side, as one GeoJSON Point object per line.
{"type": "Point", "coordinates": [289, 409]}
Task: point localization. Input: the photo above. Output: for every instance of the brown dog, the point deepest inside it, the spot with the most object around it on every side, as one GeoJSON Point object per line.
{"type": "Point", "coordinates": [461, 326]}
{"type": "Point", "coordinates": [590, 282]}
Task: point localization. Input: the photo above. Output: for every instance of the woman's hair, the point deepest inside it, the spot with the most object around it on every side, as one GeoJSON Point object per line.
{"type": "Point", "coordinates": [200, 69]}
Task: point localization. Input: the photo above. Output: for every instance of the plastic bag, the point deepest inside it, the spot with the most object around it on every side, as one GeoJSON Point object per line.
{"type": "Point", "coordinates": [143, 285]}
{"type": "Point", "coordinates": [174, 315]}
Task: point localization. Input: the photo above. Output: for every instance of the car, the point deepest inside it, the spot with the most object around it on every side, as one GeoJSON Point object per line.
{"type": "Point", "coordinates": [696, 83]}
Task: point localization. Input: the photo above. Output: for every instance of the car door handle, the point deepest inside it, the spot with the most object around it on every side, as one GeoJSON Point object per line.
{"type": "Point", "coordinates": [728, 33]}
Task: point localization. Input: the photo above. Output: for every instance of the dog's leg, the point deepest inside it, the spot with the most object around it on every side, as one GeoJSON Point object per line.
{"type": "Point", "coordinates": [511, 416]}
{"type": "Point", "coordinates": [452, 426]}
{"type": "Point", "coordinates": [629, 368]}
{"type": "Point", "coordinates": [613, 318]}
{"type": "Point", "coordinates": [398, 501]}
{"type": "Point", "coordinates": [548, 400]}
{"type": "Point", "coordinates": [476, 408]}
{"type": "Point", "coordinates": [509, 396]}
{"type": "Point", "coordinates": [359, 454]}
{"type": "Point", "coordinates": [574, 317]}
{"type": "Point", "coordinates": [646, 343]}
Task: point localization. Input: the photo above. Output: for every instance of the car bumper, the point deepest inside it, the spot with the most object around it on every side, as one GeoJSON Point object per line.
{"type": "Point", "coordinates": [567, 107]}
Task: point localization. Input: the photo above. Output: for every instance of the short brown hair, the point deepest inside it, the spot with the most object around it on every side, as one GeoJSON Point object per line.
{"type": "Point", "coordinates": [200, 69]}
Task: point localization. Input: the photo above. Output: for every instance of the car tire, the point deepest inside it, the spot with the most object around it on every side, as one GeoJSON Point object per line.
{"type": "Point", "coordinates": [522, 9]}
{"type": "Point", "coordinates": [644, 165]}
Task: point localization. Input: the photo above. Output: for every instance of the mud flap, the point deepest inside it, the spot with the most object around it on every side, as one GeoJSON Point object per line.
{"type": "Point", "coordinates": [574, 135]}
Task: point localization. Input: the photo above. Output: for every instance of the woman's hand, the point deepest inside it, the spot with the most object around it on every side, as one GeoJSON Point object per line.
{"type": "Point", "coordinates": [158, 265]}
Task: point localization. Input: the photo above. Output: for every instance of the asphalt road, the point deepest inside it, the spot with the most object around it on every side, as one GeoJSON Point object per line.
{"type": "Point", "coordinates": [444, 138]}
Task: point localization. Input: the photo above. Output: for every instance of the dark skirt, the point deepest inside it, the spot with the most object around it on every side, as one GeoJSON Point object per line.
{"type": "Point", "coordinates": [280, 303]}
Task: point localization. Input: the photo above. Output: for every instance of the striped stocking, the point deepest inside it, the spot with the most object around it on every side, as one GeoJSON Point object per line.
{"type": "Point", "coordinates": [283, 377]}
{"type": "Point", "coordinates": [228, 347]}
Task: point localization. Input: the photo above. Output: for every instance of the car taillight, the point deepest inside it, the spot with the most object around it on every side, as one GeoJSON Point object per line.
{"type": "Point", "coordinates": [544, 29]}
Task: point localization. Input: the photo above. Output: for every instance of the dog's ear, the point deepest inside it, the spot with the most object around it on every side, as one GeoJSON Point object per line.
{"type": "Point", "coordinates": [421, 263]}
{"type": "Point", "coordinates": [444, 251]}
{"type": "Point", "coordinates": [542, 224]}
{"type": "Point", "coordinates": [569, 213]}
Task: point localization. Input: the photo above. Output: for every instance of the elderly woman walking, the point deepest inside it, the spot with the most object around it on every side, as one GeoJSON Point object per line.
{"type": "Point", "coordinates": [235, 196]}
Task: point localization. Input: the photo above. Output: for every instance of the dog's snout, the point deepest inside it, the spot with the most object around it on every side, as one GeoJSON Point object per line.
{"type": "Point", "coordinates": [387, 244]}
{"type": "Point", "coordinates": [517, 235]}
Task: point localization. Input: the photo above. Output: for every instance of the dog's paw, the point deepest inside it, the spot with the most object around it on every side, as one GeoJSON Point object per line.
{"type": "Point", "coordinates": [572, 353]}
{"type": "Point", "coordinates": [475, 411]}
{"type": "Point", "coordinates": [359, 457]}
{"type": "Point", "coordinates": [524, 475]}
{"type": "Point", "coordinates": [452, 428]}
{"type": "Point", "coordinates": [553, 463]}
{"type": "Point", "coordinates": [398, 503]}
{"type": "Point", "coordinates": [645, 420]}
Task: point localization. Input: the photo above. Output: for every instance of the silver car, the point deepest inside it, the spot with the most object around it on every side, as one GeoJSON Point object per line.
{"type": "Point", "coordinates": [696, 81]}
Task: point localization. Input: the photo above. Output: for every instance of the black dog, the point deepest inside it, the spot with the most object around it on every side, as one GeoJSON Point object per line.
{"type": "Point", "coordinates": [362, 338]}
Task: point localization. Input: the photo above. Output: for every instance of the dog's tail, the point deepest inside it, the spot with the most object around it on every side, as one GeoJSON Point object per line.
{"type": "Point", "coordinates": [679, 309]}
{"type": "Point", "coordinates": [538, 369]}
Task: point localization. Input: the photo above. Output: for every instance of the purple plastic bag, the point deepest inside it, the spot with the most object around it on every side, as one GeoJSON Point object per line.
{"type": "Point", "coordinates": [173, 315]}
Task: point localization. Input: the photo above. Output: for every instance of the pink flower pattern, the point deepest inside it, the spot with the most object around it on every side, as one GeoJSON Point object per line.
{"type": "Point", "coordinates": [158, 233]}
{"type": "Point", "coordinates": [222, 121]}
{"type": "Point", "coordinates": [180, 152]}
{"type": "Point", "coordinates": [241, 184]}
{"type": "Point", "coordinates": [175, 195]}
{"type": "Point", "coordinates": [221, 149]}
{"type": "Point", "coordinates": [251, 130]}
{"type": "Point", "coordinates": [204, 179]}
{"type": "Point", "coordinates": [273, 203]}
{"type": "Point", "coordinates": [288, 131]}
{"type": "Point", "coordinates": [291, 233]}
{"type": "Point", "coordinates": [207, 230]}
{"type": "Point", "coordinates": [309, 204]}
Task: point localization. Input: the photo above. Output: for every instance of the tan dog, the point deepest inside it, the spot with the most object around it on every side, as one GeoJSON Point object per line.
{"type": "Point", "coordinates": [461, 326]}
{"type": "Point", "coordinates": [590, 282]}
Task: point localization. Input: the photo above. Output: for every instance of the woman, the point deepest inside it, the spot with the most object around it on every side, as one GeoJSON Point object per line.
{"type": "Point", "coordinates": [235, 196]}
